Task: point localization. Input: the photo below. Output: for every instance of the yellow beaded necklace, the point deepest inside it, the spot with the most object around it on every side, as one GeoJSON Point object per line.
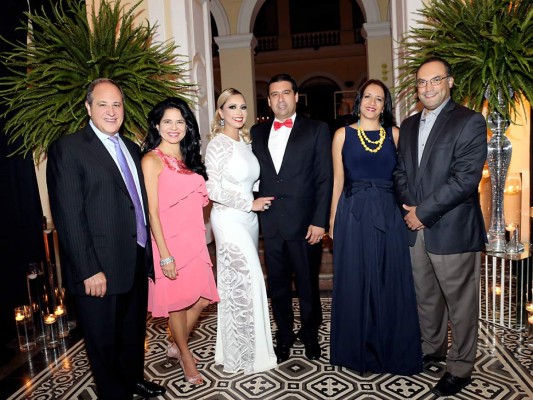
{"type": "Point", "coordinates": [364, 139]}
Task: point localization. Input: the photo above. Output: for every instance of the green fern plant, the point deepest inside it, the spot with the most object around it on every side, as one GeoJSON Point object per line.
{"type": "Point", "coordinates": [45, 92]}
{"type": "Point", "coordinates": [489, 44]}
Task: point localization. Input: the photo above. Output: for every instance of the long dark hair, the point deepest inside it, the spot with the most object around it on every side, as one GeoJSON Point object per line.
{"type": "Point", "coordinates": [387, 117]}
{"type": "Point", "coordinates": [189, 145]}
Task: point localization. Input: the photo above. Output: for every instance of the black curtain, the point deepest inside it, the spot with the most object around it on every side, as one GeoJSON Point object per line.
{"type": "Point", "coordinates": [21, 238]}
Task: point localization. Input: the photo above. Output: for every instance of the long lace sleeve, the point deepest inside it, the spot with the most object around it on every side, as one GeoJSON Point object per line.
{"type": "Point", "coordinates": [222, 188]}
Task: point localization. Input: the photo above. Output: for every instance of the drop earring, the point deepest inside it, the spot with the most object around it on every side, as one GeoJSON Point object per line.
{"type": "Point", "coordinates": [221, 121]}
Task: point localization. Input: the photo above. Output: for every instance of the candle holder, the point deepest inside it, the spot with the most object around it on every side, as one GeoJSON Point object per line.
{"type": "Point", "coordinates": [38, 300]}
{"type": "Point", "coordinates": [25, 328]}
{"type": "Point", "coordinates": [60, 313]}
{"type": "Point", "coordinates": [513, 245]}
{"type": "Point", "coordinates": [52, 331]}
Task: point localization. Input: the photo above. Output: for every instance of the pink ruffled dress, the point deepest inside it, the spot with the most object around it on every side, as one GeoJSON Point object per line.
{"type": "Point", "coordinates": [182, 195]}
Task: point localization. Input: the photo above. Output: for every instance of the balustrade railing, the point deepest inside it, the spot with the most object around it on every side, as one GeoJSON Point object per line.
{"type": "Point", "coordinates": [315, 39]}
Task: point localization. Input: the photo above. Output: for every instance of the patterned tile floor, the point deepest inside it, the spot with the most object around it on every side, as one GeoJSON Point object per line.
{"type": "Point", "coordinates": [503, 371]}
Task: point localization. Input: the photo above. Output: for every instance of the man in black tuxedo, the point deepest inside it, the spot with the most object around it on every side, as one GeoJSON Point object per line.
{"type": "Point", "coordinates": [442, 151]}
{"type": "Point", "coordinates": [98, 203]}
{"type": "Point", "coordinates": [294, 155]}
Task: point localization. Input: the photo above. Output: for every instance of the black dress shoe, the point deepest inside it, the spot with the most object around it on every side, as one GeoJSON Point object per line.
{"type": "Point", "coordinates": [282, 352]}
{"type": "Point", "coordinates": [312, 350]}
{"type": "Point", "coordinates": [427, 358]}
{"type": "Point", "coordinates": [146, 388]}
{"type": "Point", "coordinates": [450, 384]}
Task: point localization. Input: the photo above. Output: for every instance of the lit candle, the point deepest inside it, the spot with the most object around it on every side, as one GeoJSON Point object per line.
{"type": "Point", "coordinates": [62, 321]}
{"type": "Point", "coordinates": [52, 333]}
{"type": "Point", "coordinates": [498, 290]}
{"type": "Point", "coordinates": [25, 328]}
{"type": "Point", "coordinates": [529, 307]}
{"type": "Point", "coordinates": [49, 319]}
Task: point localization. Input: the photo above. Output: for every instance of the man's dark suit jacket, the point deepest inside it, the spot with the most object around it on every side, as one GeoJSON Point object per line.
{"type": "Point", "coordinates": [445, 185]}
{"type": "Point", "coordinates": [302, 188]}
{"type": "Point", "coordinates": [93, 212]}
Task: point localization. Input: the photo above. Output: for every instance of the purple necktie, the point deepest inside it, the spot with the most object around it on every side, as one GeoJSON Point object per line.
{"type": "Point", "coordinates": [130, 184]}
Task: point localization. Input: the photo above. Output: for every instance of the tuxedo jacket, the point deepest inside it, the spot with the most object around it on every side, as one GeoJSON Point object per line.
{"type": "Point", "coordinates": [302, 188]}
{"type": "Point", "coordinates": [445, 185]}
{"type": "Point", "coordinates": [93, 212]}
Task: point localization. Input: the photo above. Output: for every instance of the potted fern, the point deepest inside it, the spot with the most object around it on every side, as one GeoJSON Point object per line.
{"type": "Point", "coordinates": [489, 44]}
{"type": "Point", "coordinates": [45, 92]}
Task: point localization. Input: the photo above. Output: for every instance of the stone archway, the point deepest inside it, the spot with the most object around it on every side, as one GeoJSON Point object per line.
{"type": "Point", "coordinates": [250, 9]}
{"type": "Point", "coordinates": [221, 18]}
{"type": "Point", "coordinates": [318, 91]}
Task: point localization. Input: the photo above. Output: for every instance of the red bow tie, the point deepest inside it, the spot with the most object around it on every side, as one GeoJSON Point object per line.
{"type": "Point", "coordinates": [287, 123]}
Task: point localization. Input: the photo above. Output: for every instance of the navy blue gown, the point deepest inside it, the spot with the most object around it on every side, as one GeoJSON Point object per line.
{"type": "Point", "coordinates": [374, 319]}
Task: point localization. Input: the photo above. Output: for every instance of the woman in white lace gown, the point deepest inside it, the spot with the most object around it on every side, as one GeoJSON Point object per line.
{"type": "Point", "coordinates": [244, 339]}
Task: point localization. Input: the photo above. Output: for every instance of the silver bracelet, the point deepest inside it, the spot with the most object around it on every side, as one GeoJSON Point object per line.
{"type": "Point", "coordinates": [166, 261]}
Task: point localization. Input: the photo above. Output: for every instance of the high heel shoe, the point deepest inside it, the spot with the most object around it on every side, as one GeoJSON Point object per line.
{"type": "Point", "coordinates": [197, 379]}
{"type": "Point", "coordinates": [173, 351]}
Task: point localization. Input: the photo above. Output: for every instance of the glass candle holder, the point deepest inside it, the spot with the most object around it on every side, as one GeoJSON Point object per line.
{"type": "Point", "coordinates": [25, 328]}
{"type": "Point", "coordinates": [513, 245]}
{"type": "Point", "coordinates": [60, 313]}
{"type": "Point", "coordinates": [512, 198]}
{"type": "Point", "coordinates": [52, 331]}
{"type": "Point", "coordinates": [36, 283]}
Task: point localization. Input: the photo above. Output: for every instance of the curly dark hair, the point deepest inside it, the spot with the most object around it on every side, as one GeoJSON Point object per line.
{"type": "Point", "coordinates": [387, 117]}
{"type": "Point", "coordinates": [189, 145]}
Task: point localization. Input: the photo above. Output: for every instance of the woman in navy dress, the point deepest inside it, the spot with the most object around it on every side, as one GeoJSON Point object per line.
{"type": "Point", "coordinates": [374, 320]}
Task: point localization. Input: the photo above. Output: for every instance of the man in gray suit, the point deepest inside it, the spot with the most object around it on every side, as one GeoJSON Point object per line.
{"type": "Point", "coordinates": [442, 151]}
{"type": "Point", "coordinates": [98, 203]}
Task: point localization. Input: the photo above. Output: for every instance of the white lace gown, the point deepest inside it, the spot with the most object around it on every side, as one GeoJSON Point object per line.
{"type": "Point", "coordinates": [244, 338]}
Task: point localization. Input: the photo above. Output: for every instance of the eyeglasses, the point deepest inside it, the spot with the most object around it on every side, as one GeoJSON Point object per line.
{"type": "Point", "coordinates": [434, 81]}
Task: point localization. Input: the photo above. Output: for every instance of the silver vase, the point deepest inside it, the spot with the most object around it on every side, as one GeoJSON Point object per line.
{"type": "Point", "coordinates": [499, 157]}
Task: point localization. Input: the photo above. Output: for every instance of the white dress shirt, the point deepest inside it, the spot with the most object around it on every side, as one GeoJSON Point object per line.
{"type": "Point", "coordinates": [110, 147]}
{"type": "Point", "coordinates": [277, 142]}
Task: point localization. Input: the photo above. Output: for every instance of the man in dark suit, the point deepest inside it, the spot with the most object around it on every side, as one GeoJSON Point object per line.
{"type": "Point", "coordinates": [98, 203]}
{"type": "Point", "coordinates": [294, 155]}
{"type": "Point", "coordinates": [442, 151]}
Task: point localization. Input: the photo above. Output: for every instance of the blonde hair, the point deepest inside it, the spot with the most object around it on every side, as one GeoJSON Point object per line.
{"type": "Point", "coordinates": [216, 127]}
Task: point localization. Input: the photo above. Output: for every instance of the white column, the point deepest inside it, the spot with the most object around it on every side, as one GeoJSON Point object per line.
{"type": "Point", "coordinates": [404, 16]}
{"type": "Point", "coordinates": [378, 50]}
{"type": "Point", "coordinates": [237, 68]}
{"type": "Point", "coordinates": [188, 24]}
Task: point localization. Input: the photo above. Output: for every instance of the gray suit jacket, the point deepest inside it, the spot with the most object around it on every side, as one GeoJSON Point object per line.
{"type": "Point", "coordinates": [445, 185]}
{"type": "Point", "coordinates": [93, 212]}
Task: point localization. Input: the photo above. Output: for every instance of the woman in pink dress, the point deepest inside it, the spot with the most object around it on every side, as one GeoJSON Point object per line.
{"type": "Point", "coordinates": [175, 182]}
